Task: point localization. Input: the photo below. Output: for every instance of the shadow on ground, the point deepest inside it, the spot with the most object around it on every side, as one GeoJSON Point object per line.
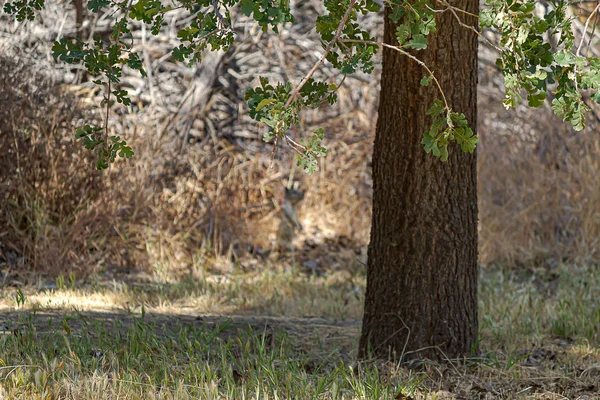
{"type": "Point", "coordinates": [328, 334]}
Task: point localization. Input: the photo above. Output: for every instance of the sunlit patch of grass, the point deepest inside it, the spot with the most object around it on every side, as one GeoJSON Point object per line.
{"type": "Point", "coordinates": [269, 291]}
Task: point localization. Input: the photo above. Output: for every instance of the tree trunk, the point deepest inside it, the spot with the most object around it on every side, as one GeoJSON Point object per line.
{"type": "Point", "coordinates": [421, 298]}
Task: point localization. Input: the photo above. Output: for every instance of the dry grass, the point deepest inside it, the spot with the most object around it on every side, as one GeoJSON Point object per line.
{"type": "Point", "coordinates": [47, 191]}
{"type": "Point", "coordinates": [539, 196]}
{"type": "Point", "coordinates": [273, 291]}
{"type": "Point", "coordinates": [200, 185]}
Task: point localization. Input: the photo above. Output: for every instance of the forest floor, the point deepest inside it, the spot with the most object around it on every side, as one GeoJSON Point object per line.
{"type": "Point", "coordinates": [278, 332]}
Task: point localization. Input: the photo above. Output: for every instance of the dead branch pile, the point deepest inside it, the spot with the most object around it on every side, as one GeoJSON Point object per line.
{"type": "Point", "coordinates": [200, 184]}
{"type": "Point", "coordinates": [200, 179]}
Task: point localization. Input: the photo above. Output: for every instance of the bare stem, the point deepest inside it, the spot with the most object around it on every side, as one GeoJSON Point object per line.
{"type": "Point", "coordinates": [454, 11]}
{"type": "Point", "coordinates": [592, 35]}
{"type": "Point", "coordinates": [407, 54]}
{"type": "Point", "coordinates": [294, 145]}
{"type": "Point", "coordinates": [445, 4]}
{"type": "Point", "coordinates": [315, 67]}
{"type": "Point", "coordinates": [585, 28]}
{"type": "Point", "coordinates": [215, 4]}
{"type": "Point", "coordinates": [583, 35]}
{"type": "Point", "coordinates": [107, 114]}
{"type": "Point", "coordinates": [273, 151]}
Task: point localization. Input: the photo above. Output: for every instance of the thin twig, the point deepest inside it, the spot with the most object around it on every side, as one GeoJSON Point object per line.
{"type": "Point", "coordinates": [445, 4]}
{"type": "Point", "coordinates": [585, 28]}
{"type": "Point", "coordinates": [583, 35]}
{"type": "Point", "coordinates": [273, 151]}
{"type": "Point", "coordinates": [592, 35]}
{"type": "Point", "coordinates": [407, 54]}
{"type": "Point", "coordinates": [107, 114]}
{"type": "Point", "coordinates": [293, 143]}
{"type": "Point", "coordinates": [472, 28]}
{"type": "Point", "coordinates": [454, 11]}
{"type": "Point", "coordinates": [328, 48]}
{"type": "Point", "coordinates": [215, 4]}
{"type": "Point", "coordinates": [318, 64]}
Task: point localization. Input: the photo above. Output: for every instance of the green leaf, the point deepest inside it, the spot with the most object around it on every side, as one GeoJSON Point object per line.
{"type": "Point", "coordinates": [96, 5]}
{"type": "Point", "coordinates": [523, 33]}
{"type": "Point", "coordinates": [396, 13]}
{"type": "Point", "coordinates": [426, 80]}
{"type": "Point", "coordinates": [181, 53]}
{"type": "Point", "coordinates": [466, 139]}
{"type": "Point", "coordinates": [444, 153]}
{"type": "Point", "coordinates": [418, 42]}
{"type": "Point", "coordinates": [564, 58]}
{"type": "Point", "coordinates": [509, 102]}
{"type": "Point", "coordinates": [430, 144]}
{"type": "Point", "coordinates": [372, 6]}
{"type": "Point", "coordinates": [485, 18]}
{"type": "Point", "coordinates": [248, 7]}
{"type": "Point", "coordinates": [264, 103]}
{"type": "Point", "coordinates": [437, 108]}
{"type": "Point", "coordinates": [537, 100]}
{"type": "Point", "coordinates": [125, 151]}
{"type": "Point", "coordinates": [402, 33]}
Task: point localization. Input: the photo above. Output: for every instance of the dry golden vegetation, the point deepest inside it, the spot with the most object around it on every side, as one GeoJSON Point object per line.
{"type": "Point", "coordinates": [200, 183]}
{"type": "Point", "coordinates": [538, 192]}
{"type": "Point", "coordinates": [182, 229]}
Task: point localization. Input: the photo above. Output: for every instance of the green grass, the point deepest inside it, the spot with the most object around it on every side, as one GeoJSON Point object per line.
{"type": "Point", "coordinates": [522, 308]}
{"type": "Point", "coordinates": [241, 337]}
{"type": "Point", "coordinates": [144, 360]}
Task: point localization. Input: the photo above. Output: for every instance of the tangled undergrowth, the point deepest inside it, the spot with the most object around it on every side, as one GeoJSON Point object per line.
{"type": "Point", "coordinates": [200, 185]}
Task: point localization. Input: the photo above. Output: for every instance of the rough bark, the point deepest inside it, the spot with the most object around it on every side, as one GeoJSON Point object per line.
{"type": "Point", "coordinates": [421, 298]}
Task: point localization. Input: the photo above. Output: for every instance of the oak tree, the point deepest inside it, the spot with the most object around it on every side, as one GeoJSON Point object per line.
{"type": "Point", "coordinates": [422, 260]}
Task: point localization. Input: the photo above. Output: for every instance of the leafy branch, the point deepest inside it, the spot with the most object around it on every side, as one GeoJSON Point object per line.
{"type": "Point", "coordinates": [443, 130]}
{"type": "Point", "coordinates": [528, 62]}
{"type": "Point", "coordinates": [321, 60]}
{"type": "Point", "coordinates": [307, 153]}
{"type": "Point", "coordinates": [407, 54]}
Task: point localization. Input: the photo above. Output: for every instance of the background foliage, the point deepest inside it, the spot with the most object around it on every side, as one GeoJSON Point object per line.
{"type": "Point", "coordinates": [533, 52]}
{"type": "Point", "coordinates": [201, 183]}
